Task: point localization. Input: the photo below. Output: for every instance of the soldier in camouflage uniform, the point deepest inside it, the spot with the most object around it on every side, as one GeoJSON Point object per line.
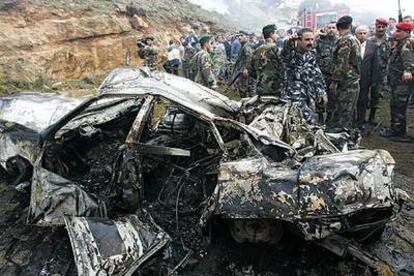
{"type": "Point", "coordinates": [384, 48]}
{"type": "Point", "coordinates": [303, 81]}
{"type": "Point", "coordinates": [190, 51]}
{"type": "Point", "coordinates": [325, 46]}
{"type": "Point", "coordinates": [148, 52]}
{"type": "Point", "coordinates": [266, 65]}
{"type": "Point", "coordinates": [400, 75]}
{"type": "Point", "coordinates": [219, 57]}
{"type": "Point", "coordinates": [204, 65]}
{"type": "Point", "coordinates": [345, 77]}
{"type": "Point", "coordinates": [241, 72]}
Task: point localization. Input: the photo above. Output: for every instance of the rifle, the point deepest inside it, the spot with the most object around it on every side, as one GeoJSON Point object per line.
{"type": "Point", "coordinates": [231, 83]}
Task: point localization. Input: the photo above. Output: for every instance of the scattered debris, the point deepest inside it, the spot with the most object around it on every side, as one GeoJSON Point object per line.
{"type": "Point", "coordinates": [113, 169]}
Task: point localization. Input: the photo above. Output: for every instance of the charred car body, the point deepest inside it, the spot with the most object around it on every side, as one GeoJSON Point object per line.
{"type": "Point", "coordinates": [254, 165]}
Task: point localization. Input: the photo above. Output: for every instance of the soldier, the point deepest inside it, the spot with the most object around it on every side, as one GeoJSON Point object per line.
{"type": "Point", "coordinates": [266, 65]}
{"type": "Point", "coordinates": [189, 53]}
{"type": "Point", "coordinates": [400, 75]}
{"type": "Point", "coordinates": [345, 77]}
{"type": "Point", "coordinates": [303, 81]}
{"type": "Point", "coordinates": [384, 48]}
{"type": "Point", "coordinates": [219, 58]}
{"type": "Point", "coordinates": [325, 46]}
{"type": "Point", "coordinates": [148, 52]}
{"type": "Point", "coordinates": [241, 68]}
{"type": "Point", "coordinates": [204, 64]}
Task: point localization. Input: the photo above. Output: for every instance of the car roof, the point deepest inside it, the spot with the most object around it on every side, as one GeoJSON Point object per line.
{"type": "Point", "coordinates": [199, 99]}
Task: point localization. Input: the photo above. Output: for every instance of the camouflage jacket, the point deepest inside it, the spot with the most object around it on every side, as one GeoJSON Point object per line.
{"type": "Point", "coordinates": [189, 53]}
{"type": "Point", "coordinates": [150, 56]}
{"type": "Point", "coordinates": [219, 56]}
{"type": "Point", "coordinates": [204, 68]}
{"type": "Point", "coordinates": [266, 68]}
{"type": "Point", "coordinates": [302, 78]}
{"type": "Point", "coordinates": [325, 46]}
{"type": "Point", "coordinates": [384, 50]}
{"type": "Point", "coordinates": [401, 61]}
{"type": "Point", "coordinates": [244, 58]}
{"type": "Point", "coordinates": [347, 59]}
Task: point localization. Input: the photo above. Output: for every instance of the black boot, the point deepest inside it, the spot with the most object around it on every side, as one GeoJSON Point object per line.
{"type": "Point", "coordinates": [390, 132]}
{"type": "Point", "coordinates": [371, 117]}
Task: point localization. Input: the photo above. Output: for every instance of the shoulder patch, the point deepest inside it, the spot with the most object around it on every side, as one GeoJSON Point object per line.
{"type": "Point", "coordinates": [344, 43]}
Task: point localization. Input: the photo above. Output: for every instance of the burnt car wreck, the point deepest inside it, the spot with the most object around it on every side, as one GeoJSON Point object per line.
{"type": "Point", "coordinates": [103, 166]}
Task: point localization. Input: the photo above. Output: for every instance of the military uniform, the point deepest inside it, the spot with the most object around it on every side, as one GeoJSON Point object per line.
{"type": "Point", "coordinates": [244, 85]}
{"type": "Point", "coordinates": [187, 62]}
{"type": "Point", "coordinates": [204, 69]}
{"type": "Point", "coordinates": [219, 58]}
{"type": "Point", "coordinates": [325, 46]}
{"type": "Point", "coordinates": [150, 56]}
{"type": "Point", "coordinates": [303, 81]}
{"type": "Point", "coordinates": [347, 58]}
{"type": "Point", "coordinates": [265, 69]}
{"type": "Point", "coordinates": [401, 61]}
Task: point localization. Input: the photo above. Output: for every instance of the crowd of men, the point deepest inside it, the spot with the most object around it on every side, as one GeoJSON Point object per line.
{"type": "Point", "coordinates": [335, 75]}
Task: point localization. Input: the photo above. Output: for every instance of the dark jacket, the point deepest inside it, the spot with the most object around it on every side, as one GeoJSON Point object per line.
{"type": "Point", "coordinates": [370, 66]}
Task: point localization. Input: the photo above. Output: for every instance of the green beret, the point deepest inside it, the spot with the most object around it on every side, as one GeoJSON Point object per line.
{"type": "Point", "coordinates": [269, 28]}
{"type": "Point", "coordinates": [205, 38]}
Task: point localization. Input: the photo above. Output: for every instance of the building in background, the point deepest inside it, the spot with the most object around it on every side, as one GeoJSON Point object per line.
{"type": "Point", "coordinates": [317, 14]}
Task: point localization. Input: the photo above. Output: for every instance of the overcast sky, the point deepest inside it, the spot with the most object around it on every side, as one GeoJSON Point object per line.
{"type": "Point", "coordinates": [383, 7]}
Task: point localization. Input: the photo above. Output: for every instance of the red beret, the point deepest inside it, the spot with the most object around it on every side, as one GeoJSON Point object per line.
{"type": "Point", "coordinates": [381, 21]}
{"type": "Point", "coordinates": [405, 26]}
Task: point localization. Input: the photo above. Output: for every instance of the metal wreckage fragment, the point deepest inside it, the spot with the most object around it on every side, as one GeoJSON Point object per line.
{"type": "Point", "coordinates": [256, 164]}
{"type": "Point", "coordinates": [114, 247]}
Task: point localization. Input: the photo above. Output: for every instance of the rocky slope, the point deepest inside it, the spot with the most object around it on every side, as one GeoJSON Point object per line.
{"type": "Point", "coordinates": [84, 39]}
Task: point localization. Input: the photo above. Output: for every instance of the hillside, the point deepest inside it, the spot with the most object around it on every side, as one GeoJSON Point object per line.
{"type": "Point", "coordinates": [59, 40]}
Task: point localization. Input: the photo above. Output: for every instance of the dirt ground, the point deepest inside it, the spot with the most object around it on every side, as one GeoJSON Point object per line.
{"type": "Point", "coordinates": [32, 250]}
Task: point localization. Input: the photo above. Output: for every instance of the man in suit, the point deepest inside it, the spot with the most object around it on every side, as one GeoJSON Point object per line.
{"type": "Point", "coordinates": [370, 72]}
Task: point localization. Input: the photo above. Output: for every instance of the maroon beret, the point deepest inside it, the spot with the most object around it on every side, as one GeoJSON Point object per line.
{"type": "Point", "coordinates": [381, 21]}
{"type": "Point", "coordinates": [405, 26]}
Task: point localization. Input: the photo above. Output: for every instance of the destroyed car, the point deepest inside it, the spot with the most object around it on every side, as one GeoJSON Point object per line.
{"type": "Point", "coordinates": [254, 165]}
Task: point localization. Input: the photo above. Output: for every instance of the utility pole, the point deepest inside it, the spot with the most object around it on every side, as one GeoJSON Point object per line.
{"type": "Point", "coordinates": [400, 16]}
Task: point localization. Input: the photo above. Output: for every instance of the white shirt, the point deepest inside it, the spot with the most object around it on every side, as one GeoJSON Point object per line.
{"type": "Point", "coordinates": [363, 45]}
{"type": "Point", "coordinates": [174, 54]}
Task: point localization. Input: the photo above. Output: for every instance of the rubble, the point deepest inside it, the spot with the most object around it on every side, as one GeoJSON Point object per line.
{"type": "Point", "coordinates": [254, 170]}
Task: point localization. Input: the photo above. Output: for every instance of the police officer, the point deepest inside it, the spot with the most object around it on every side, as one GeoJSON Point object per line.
{"type": "Point", "coordinates": [303, 81]}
